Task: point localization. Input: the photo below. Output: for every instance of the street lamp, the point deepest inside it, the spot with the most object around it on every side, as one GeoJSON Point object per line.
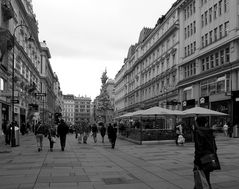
{"type": "Point", "coordinates": [13, 140]}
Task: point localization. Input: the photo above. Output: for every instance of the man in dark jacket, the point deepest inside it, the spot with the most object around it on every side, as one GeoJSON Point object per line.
{"type": "Point", "coordinates": [112, 134]}
{"type": "Point", "coordinates": [62, 130]}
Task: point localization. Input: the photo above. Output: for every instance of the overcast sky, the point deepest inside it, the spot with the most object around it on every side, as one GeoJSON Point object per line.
{"type": "Point", "coordinates": [87, 36]}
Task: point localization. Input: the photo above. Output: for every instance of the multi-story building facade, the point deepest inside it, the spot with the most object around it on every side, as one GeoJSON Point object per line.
{"type": "Point", "coordinates": [26, 58]}
{"type": "Point", "coordinates": [82, 109]}
{"type": "Point", "coordinates": [68, 109]}
{"type": "Point", "coordinates": [32, 70]}
{"type": "Point", "coordinates": [47, 84]}
{"type": "Point", "coordinates": [58, 94]}
{"type": "Point", "coordinates": [209, 74]}
{"type": "Point", "coordinates": [149, 75]}
{"type": "Point", "coordinates": [190, 58]}
{"type": "Point", "coordinates": [120, 91]}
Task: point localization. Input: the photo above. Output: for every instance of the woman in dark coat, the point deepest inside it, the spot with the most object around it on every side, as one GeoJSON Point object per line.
{"type": "Point", "coordinates": [204, 144]}
{"type": "Point", "coordinates": [62, 130]}
{"type": "Point", "coordinates": [102, 131]}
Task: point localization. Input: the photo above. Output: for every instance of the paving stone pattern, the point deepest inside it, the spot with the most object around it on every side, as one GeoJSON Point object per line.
{"type": "Point", "coordinates": [97, 166]}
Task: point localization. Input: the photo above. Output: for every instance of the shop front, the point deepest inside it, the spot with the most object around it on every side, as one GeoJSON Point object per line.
{"type": "Point", "coordinates": [224, 106]}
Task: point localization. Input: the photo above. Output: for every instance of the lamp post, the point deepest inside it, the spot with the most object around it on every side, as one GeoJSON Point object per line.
{"type": "Point", "coordinates": [13, 139]}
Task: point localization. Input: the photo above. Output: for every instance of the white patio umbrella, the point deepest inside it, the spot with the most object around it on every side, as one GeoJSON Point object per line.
{"type": "Point", "coordinates": [199, 111]}
{"type": "Point", "coordinates": [125, 115]}
{"type": "Point", "coordinates": [157, 111]}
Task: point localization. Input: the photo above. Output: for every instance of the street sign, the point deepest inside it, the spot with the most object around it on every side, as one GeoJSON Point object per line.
{"type": "Point", "coordinates": [15, 101]}
{"type": "Point", "coordinates": [40, 94]}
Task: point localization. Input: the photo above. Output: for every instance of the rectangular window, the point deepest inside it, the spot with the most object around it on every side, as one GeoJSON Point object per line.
{"type": "Point", "coordinates": [204, 90]}
{"type": "Point", "coordinates": [194, 26]}
{"type": "Point", "coordinates": [202, 20]}
{"type": "Point", "coordinates": [227, 55]}
{"type": "Point", "coordinates": [212, 61]}
{"type": "Point", "coordinates": [216, 59]}
{"type": "Point", "coordinates": [194, 44]}
{"type": "Point", "coordinates": [191, 48]}
{"type": "Point", "coordinates": [205, 18]}
{"type": "Point", "coordinates": [210, 37]}
{"type": "Point", "coordinates": [226, 28]}
{"type": "Point", "coordinates": [206, 39]}
{"type": "Point", "coordinates": [203, 64]}
{"type": "Point", "coordinates": [210, 15]}
{"type": "Point", "coordinates": [215, 11]}
{"type": "Point", "coordinates": [226, 5]}
{"type": "Point", "coordinates": [185, 14]}
{"type": "Point", "coordinates": [191, 9]}
{"type": "Point", "coordinates": [194, 7]}
{"type": "Point", "coordinates": [185, 33]}
{"type": "Point", "coordinates": [215, 34]}
{"type": "Point", "coordinates": [220, 8]}
{"type": "Point", "coordinates": [174, 59]}
{"type": "Point", "coordinates": [202, 41]}
{"type": "Point", "coordinates": [185, 51]}
{"type": "Point", "coordinates": [188, 31]}
{"type": "Point", "coordinates": [212, 88]}
{"type": "Point", "coordinates": [220, 31]}
{"type": "Point", "coordinates": [222, 57]}
{"type": "Point", "coordinates": [191, 27]}
{"type": "Point", "coordinates": [207, 63]}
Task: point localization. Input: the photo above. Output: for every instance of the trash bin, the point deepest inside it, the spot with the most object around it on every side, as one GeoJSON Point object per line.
{"type": "Point", "coordinates": [235, 131]}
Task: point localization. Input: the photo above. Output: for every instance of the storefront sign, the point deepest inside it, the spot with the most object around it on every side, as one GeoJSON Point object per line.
{"type": "Point", "coordinates": [204, 100]}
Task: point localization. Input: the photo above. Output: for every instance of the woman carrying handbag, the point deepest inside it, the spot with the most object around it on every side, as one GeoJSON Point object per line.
{"type": "Point", "coordinates": [205, 156]}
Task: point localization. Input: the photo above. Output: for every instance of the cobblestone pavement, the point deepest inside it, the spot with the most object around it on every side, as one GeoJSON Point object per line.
{"type": "Point", "coordinates": [97, 166]}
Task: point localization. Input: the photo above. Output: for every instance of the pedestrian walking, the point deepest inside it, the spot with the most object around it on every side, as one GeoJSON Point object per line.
{"type": "Point", "coordinates": [23, 128]}
{"type": "Point", "coordinates": [94, 130]}
{"type": "Point", "coordinates": [86, 131]}
{"type": "Point", "coordinates": [179, 133]}
{"type": "Point", "coordinates": [112, 134]}
{"type": "Point", "coordinates": [102, 131]}
{"type": "Point", "coordinates": [52, 136]}
{"type": "Point", "coordinates": [40, 132]}
{"type": "Point", "coordinates": [205, 156]}
{"type": "Point", "coordinates": [62, 131]}
{"type": "Point", "coordinates": [79, 132]}
{"type": "Point", "coordinates": [225, 129]}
